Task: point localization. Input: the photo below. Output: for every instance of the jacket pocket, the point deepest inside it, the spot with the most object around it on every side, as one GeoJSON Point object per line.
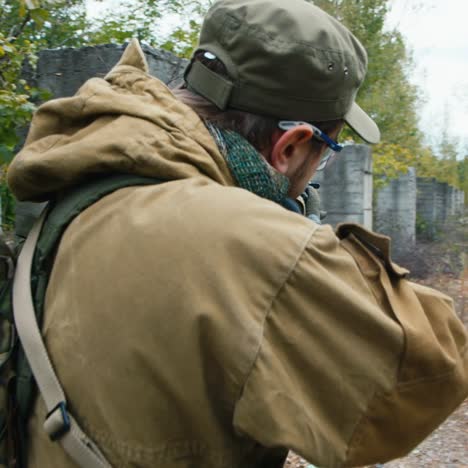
{"type": "Point", "coordinates": [432, 379]}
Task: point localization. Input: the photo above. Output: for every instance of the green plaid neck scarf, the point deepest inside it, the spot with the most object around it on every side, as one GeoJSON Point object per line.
{"type": "Point", "coordinates": [248, 167]}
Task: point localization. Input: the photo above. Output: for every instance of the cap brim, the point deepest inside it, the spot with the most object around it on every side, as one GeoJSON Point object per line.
{"type": "Point", "coordinates": [362, 124]}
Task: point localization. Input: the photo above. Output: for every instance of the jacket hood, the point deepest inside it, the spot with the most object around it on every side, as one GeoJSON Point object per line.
{"type": "Point", "coordinates": [128, 122]}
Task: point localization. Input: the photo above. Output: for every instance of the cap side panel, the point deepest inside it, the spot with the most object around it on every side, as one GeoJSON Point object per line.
{"type": "Point", "coordinates": [289, 108]}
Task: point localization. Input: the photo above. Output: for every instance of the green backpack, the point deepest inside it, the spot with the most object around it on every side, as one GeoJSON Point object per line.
{"type": "Point", "coordinates": [19, 376]}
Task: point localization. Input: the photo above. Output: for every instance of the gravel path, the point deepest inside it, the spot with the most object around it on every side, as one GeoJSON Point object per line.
{"type": "Point", "coordinates": [447, 447]}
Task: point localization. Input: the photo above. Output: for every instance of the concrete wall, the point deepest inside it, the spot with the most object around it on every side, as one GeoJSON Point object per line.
{"type": "Point", "coordinates": [63, 71]}
{"type": "Point", "coordinates": [459, 202]}
{"type": "Point", "coordinates": [451, 193]}
{"type": "Point", "coordinates": [346, 187]}
{"type": "Point", "coordinates": [427, 207]}
{"type": "Point", "coordinates": [395, 210]}
{"type": "Point", "coordinates": [436, 203]}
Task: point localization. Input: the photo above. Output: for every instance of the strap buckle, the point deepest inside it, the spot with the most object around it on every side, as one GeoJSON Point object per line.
{"type": "Point", "coordinates": [57, 422]}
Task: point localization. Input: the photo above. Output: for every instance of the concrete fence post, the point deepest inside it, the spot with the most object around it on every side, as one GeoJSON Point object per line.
{"type": "Point", "coordinates": [395, 210]}
{"type": "Point", "coordinates": [346, 187]}
{"type": "Point", "coordinates": [459, 202]}
{"type": "Point", "coordinates": [436, 203]}
{"type": "Point", "coordinates": [426, 207]}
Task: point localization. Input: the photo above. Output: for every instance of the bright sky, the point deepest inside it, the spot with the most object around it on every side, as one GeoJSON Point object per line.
{"type": "Point", "coordinates": [437, 32]}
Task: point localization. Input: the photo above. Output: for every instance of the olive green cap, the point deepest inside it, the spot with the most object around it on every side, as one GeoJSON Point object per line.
{"type": "Point", "coordinates": [286, 59]}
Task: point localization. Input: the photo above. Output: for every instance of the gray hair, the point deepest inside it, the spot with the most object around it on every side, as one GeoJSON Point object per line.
{"type": "Point", "coordinates": [256, 129]}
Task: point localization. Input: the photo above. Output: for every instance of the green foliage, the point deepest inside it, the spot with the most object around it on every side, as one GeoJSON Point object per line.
{"type": "Point", "coordinates": [131, 19]}
{"type": "Point", "coordinates": [23, 31]}
{"type": "Point", "coordinates": [387, 92]}
{"type": "Point", "coordinates": [25, 28]}
{"type": "Point", "coordinates": [182, 41]}
{"type": "Point", "coordinates": [390, 161]}
{"type": "Point", "coordinates": [8, 203]}
{"type": "Point", "coordinates": [15, 105]}
{"type": "Point", "coordinates": [392, 100]}
{"type": "Point", "coordinates": [462, 169]}
{"type": "Point", "coordinates": [441, 164]}
{"type": "Point", "coordinates": [60, 23]}
{"type": "Point", "coordinates": [422, 227]}
{"type": "Point", "coordinates": [147, 20]}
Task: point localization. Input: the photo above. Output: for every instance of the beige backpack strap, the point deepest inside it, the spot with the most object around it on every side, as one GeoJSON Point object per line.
{"type": "Point", "coordinates": [59, 424]}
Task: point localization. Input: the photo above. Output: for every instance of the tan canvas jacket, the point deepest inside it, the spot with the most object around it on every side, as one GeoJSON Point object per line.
{"type": "Point", "coordinates": [195, 324]}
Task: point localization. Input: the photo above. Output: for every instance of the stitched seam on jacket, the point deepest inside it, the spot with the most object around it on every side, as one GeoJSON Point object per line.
{"type": "Point", "coordinates": [131, 452]}
{"type": "Point", "coordinates": [356, 435]}
{"type": "Point", "coordinates": [414, 382]}
{"type": "Point", "coordinates": [370, 287]}
{"type": "Point", "coordinates": [270, 307]}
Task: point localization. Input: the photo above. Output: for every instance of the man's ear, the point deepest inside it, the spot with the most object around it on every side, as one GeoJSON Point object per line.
{"type": "Point", "coordinates": [285, 150]}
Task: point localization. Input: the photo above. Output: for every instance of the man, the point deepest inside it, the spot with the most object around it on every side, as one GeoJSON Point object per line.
{"type": "Point", "coordinates": [199, 323]}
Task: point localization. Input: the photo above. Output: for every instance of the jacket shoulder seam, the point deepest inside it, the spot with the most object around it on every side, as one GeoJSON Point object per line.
{"type": "Point", "coordinates": [272, 302]}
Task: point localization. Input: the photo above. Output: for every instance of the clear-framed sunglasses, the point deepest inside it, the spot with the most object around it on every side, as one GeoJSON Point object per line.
{"type": "Point", "coordinates": [333, 146]}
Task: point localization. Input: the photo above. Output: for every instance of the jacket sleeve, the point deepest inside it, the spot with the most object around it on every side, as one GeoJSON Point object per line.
{"type": "Point", "coordinates": [357, 365]}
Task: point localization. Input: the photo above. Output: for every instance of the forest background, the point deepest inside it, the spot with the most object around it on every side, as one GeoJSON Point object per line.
{"type": "Point", "coordinates": [28, 26]}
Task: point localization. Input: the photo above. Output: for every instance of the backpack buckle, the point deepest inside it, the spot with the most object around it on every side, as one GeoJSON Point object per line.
{"type": "Point", "coordinates": [57, 422]}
